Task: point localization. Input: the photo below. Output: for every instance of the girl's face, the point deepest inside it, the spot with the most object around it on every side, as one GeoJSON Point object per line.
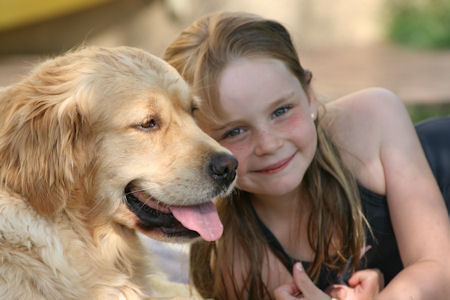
{"type": "Point", "coordinates": [267, 125]}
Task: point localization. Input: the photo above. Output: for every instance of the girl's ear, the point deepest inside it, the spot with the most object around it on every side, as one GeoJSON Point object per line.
{"type": "Point", "coordinates": [312, 103]}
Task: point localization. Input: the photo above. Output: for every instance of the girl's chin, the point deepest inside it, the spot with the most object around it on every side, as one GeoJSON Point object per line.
{"type": "Point", "coordinates": [278, 188]}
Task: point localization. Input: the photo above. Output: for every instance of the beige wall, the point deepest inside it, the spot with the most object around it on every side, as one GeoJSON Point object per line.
{"type": "Point", "coordinates": [313, 23]}
{"type": "Point", "coordinates": [152, 24]}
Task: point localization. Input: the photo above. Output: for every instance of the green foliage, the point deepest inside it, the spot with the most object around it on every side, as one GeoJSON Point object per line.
{"type": "Point", "coordinates": [419, 112]}
{"type": "Point", "coordinates": [420, 23]}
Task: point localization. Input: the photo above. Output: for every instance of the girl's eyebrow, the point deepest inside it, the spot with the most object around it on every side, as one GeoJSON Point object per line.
{"type": "Point", "coordinates": [272, 106]}
{"type": "Point", "coordinates": [226, 125]}
{"type": "Point", "coordinates": [281, 99]}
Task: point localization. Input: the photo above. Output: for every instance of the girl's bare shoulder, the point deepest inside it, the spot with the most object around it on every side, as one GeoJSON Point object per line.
{"type": "Point", "coordinates": [360, 110]}
{"type": "Point", "coordinates": [357, 123]}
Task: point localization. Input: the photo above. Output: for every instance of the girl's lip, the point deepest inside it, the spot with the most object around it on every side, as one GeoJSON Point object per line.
{"type": "Point", "coordinates": [277, 166]}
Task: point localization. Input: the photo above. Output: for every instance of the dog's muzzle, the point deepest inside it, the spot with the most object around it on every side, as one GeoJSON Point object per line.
{"type": "Point", "coordinates": [186, 220]}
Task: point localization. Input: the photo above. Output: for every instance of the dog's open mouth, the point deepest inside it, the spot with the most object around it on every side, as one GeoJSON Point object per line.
{"type": "Point", "coordinates": [186, 221]}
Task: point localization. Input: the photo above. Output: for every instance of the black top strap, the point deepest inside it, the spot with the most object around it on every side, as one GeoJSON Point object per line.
{"type": "Point", "coordinates": [327, 276]}
{"type": "Point", "coordinates": [275, 245]}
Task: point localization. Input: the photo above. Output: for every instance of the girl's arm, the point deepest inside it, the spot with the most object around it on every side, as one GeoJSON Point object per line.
{"type": "Point", "coordinates": [418, 213]}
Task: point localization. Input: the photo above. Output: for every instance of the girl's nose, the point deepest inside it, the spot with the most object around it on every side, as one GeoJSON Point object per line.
{"type": "Point", "coordinates": [267, 142]}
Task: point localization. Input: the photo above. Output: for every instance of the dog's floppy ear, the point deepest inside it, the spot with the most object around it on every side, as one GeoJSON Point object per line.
{"type": "Point", "coordinates": [39, 130]}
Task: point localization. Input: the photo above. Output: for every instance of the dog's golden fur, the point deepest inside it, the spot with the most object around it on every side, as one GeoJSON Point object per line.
{"type": "Point", "coordinates": [73, 134]}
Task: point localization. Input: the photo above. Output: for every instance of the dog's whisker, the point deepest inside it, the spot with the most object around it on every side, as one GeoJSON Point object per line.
{"type": "Point", "coordinates": [97, 206]}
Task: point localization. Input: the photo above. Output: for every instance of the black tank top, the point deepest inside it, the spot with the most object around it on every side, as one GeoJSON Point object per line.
{"type": "Point", "coordinates": [435, 138]}
{"type": "Point", "coordinates": [385, 258]}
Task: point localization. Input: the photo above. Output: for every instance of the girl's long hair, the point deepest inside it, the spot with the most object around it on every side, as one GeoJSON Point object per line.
{"type": "Point", "coordinates": [200, 53]}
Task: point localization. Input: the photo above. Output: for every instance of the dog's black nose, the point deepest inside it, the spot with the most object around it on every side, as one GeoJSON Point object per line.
{"type": "Point", "coordinates": [223, 167]}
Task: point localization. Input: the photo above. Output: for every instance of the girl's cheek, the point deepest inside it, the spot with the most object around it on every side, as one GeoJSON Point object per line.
{"type": "Point", "coordinates": [304, 124]}
{"type": "Point", "coordinates": [235, 148]}
{"type": "Point", "coordinates": [295, 120]}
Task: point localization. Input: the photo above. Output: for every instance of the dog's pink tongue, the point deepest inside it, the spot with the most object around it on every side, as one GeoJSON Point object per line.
{"type": "Point", "coordinates": [202, 218]}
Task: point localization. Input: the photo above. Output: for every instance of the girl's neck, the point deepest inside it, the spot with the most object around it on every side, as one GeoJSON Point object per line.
{"type": "Point", "coordinates": [286, 217]}
{"type": "Point", "coordinates": [281, 207]}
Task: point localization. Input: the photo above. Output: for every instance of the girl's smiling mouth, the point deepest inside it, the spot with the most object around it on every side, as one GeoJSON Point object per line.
{"type": "Point", "coordinates": [277, 167]}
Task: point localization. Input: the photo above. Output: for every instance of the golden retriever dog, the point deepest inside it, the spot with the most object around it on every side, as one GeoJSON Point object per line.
{"type": "Point", "coordinates": [94, 145]}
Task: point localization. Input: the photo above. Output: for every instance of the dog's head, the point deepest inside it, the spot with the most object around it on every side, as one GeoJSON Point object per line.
{"type": "Point", "coordinates": [109, 132]}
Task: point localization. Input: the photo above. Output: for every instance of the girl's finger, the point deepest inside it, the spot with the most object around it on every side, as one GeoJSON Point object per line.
{"type": "Point", "coordinates": [286, 292]}
{"type": "Point", "coordinates": [305, 284]}
{"type": "Point", "coordinates": [338, 291]}
{"type": "Point", "coordinates": [368, 276]}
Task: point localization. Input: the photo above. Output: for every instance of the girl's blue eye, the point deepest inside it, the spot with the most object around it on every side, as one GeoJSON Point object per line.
{"type": "Point", "coordinates": [280, 111]}
{"type": "Point", "coordinates": [233, 132]}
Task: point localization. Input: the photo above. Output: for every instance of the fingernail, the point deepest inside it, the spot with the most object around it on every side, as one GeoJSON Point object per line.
{"type": "Point", "coordinates": [299, 267]}
{"type": "Point", "coordinates": [364, 250]}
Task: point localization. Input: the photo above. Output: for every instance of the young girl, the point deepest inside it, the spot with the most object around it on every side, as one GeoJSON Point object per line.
{"type": "Point", "coordinates": [339, 187]}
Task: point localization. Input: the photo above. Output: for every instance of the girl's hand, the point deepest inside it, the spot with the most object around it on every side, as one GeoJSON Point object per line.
{"type": "Point", "coordinates": [302, 287]}
{"type": "Point", "coordinates": [363, 285]}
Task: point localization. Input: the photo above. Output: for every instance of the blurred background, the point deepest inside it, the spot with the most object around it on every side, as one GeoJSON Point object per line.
{"type": "Point", "coordinates": [403, 45]}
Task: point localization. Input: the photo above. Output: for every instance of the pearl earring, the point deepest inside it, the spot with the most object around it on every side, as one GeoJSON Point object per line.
{"type": "Point", "coordinates": [313, 116]}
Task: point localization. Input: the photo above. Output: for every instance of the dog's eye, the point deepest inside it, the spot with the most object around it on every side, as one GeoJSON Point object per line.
{"type": "Point", "coordinates": [149, 124]}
